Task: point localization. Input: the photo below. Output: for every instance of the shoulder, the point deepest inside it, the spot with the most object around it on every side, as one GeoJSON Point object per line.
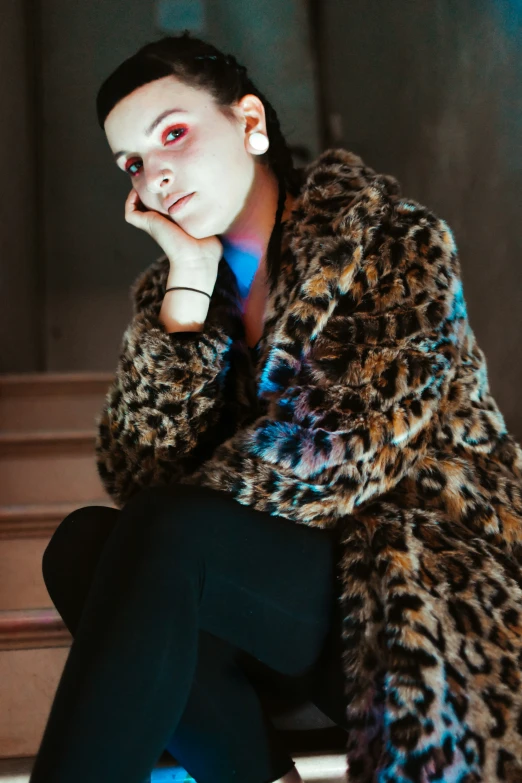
{"type": "Point", "coordinates": [408, 253]}
{"type": "Point", "coordinates": [355, 234]}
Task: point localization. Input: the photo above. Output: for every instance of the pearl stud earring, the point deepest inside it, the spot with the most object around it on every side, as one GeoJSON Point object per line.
{"type": "Point", "coordinates": [258, 142]}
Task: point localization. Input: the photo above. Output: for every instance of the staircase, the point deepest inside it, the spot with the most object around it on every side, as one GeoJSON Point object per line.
{"type": "Point", "coordinates": [47, 470]}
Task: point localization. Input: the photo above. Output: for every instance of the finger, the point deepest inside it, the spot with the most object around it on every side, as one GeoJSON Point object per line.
{"type": "Point", "coordinates": [134, 215]}
{"type": "Point", "coordinates": [133, 201]}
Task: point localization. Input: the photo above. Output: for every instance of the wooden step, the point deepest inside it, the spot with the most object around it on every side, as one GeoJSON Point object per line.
{"type": "Point", "coordinates": [52, 401]}
{"type": "Point", "coordinates": [48, 467]}
{"type": "Point", "coordinates": [21, 581]}
{"type": "Point", "coordinates": [28, 682]}
{"type": "Point", "coordinates": [22, 629]}
{"type": "Point", "coordinates": [34, 644]}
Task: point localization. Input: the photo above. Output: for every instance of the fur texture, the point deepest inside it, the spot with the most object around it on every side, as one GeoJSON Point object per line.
{"type": "Point", "coordinates": [369, 410]}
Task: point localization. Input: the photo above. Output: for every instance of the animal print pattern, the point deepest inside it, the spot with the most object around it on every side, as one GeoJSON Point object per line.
{"type": "Point", "coordinates": [369, 411]}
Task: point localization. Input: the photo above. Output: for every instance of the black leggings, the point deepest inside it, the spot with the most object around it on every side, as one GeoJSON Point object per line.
{"type": "Point", "coordinates": [165, 598]}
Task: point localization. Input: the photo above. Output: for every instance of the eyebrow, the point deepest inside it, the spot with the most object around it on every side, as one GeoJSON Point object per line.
{"type": "Point", "coordinates": [152, 127]}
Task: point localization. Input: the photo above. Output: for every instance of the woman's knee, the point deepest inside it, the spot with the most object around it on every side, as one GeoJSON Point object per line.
{"type": "Point", "coordinates": [78, 534]}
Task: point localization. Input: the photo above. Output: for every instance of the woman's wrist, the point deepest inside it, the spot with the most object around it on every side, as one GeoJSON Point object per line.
{"type": "Point", "coordinates": [191, 278]}
{"type": "Point", "coordinates": [187, 288]}
{"type": "Point", "coordinates": [184, 311]}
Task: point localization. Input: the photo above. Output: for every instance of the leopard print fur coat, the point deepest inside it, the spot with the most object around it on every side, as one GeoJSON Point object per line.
{"type": "Point", "coordinates": [369, 410]}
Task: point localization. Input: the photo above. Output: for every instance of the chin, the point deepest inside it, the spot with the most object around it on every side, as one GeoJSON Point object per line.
{"type": "Point", "coordinates": [196, 232]}
{"type": "Point", "coordinates": [201, 229]}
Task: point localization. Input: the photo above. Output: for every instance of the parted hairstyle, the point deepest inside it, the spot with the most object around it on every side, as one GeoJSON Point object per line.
{"type": "Point", "coordinates": [199, 64]}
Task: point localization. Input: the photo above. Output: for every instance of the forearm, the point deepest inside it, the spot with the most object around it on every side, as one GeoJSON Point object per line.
{"type": "Point", "coordinates": [167, 395]}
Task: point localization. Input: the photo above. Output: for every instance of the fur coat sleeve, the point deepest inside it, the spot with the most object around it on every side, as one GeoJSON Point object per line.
{"type": "Point", "coordinates": [163, 411]}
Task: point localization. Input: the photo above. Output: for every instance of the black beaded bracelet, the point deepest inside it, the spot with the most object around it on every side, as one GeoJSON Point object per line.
{"type": "Point", "coordinates": [187, 288]}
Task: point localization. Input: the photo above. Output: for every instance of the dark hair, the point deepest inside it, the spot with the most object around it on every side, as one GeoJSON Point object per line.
{"type": "Point", "coordinates": [201, 65]}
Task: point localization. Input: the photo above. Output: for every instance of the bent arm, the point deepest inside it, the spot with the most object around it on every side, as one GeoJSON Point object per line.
{"type": "Point", "coordinates": [167, 395]}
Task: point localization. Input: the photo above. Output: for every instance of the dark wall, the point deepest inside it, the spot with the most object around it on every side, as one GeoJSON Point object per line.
{"type": "Point", "coordinates": [431, 92]}
{"type": "Point", "coordinates": [22, 299]}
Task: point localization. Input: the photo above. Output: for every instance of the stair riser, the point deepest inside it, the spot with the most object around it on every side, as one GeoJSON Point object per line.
{"type": "Point", "coordinates": [21, 581]}
{"type": "Point", "coordinates": [59, 477]}
{"type": "Point", "coordinates": [28, 682]}
{"type": "Point", "coordinates": [27, 413]}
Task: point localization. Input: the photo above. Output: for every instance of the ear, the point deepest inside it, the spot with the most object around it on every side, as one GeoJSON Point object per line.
{"type": "Point", "coordinates": [251, 113]}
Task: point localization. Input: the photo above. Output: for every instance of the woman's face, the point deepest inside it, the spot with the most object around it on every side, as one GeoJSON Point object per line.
{"type": "Point", "coordinates": [196, 150]}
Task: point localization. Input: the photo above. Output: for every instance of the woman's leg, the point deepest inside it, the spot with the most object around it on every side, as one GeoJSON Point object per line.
{"type": "Point", "coordinates": [221, 694]}
{"type": "Point", "coordinates": [224, 733]}
{"type": "Point", "coordinates": [180, 560]}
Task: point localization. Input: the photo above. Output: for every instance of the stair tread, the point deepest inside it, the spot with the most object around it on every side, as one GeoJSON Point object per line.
{"type": "Point", "coordinates": [29, 615]}
{"type": "Point", "coordinates": [43, 436]}
{"type": "Point", "coordinates": [32, 629]}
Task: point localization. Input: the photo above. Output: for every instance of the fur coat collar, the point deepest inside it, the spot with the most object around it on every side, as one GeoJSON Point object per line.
{"type": "Point", "coordinates": [369, 410]}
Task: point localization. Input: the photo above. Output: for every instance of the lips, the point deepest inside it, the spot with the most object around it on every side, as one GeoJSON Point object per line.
{"type": "Point", "coordinates": [176, 199]}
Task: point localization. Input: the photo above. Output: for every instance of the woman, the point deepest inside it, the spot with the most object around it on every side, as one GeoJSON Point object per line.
{"type": "Point", "coordinates": [308, 466]}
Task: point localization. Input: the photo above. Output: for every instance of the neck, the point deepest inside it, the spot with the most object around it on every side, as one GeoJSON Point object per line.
{"type": "Point", "coordinates": [246, 241]}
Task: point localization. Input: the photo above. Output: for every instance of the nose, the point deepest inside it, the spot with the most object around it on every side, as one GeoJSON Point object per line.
{"type": "Point", "coordinates": [158, 179]}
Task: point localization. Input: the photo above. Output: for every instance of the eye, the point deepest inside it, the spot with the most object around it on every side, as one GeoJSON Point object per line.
{"type": "Point", "coordinates": [128, 169]}
{"type": "Point", "coordinates": [181, 131]}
